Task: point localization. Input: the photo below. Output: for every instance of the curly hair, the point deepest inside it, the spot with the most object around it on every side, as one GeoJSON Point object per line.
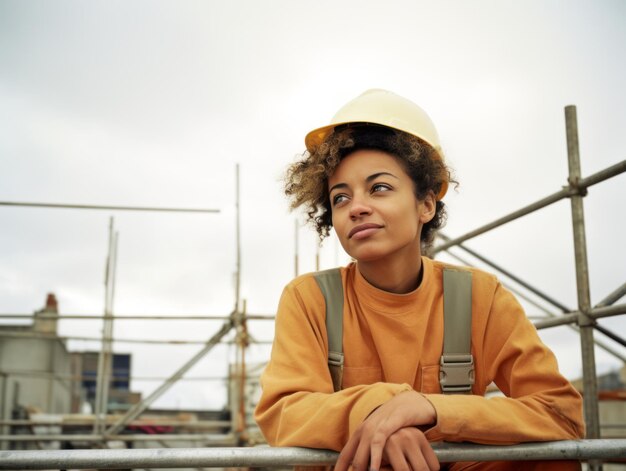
{"type": "Point", "coordinates": [306, 181]}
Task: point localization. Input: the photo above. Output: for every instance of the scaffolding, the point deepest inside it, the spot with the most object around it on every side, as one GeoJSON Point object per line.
{"type": "Point", "coordinates": [583, 318]}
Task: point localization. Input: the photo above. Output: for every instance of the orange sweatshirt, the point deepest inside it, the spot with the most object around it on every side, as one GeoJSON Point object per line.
{"type": "Point", "coordinates": [393, 343]}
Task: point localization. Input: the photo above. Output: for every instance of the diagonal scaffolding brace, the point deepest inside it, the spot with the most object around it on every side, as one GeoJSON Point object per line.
{"type": "Point", "coordinates": [138, 408]}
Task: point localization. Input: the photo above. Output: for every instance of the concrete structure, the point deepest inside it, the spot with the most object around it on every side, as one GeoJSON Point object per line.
{"type": "Point", "coordinates": [39, 375]}
{"type": "Point", "coordinates": [32, 369]}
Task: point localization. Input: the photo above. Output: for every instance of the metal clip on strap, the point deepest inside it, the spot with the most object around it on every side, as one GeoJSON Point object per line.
{"type": "Point", "coordinates": [456, 373]}
{"type": "Point", "coordinates": [335, 365]}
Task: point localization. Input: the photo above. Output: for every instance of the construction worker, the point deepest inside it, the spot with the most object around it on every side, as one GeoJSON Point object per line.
{"type": "Point", "coordinates": [419, 340]}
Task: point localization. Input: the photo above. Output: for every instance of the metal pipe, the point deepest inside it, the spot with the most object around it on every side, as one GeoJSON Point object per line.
{"type": "Point", "coordinates": [209, 438]}
{"type": "Point", "coordinates": [109, 208]}
{"type": "Point", "coordinates": [286, 457]}
{"type": "Point", "coordinates": [135, 317]}
{"type": "Point", "coordinates": [585, 323]}
{"type": "Point", "coordinates": [602, 175]}
{"type": "Point", "coordinates": [74, 378]}
{"type": "Point", "coordinates": [613, 297]}
{"type": "Point", "coordinates": [572, 317]}
{"type": "Point", "coordinates": [102, 381]}
{"type": "Point", "coordinates": [510, 275]}
{"type": "Point", "coordinates": [542, 203]}
{"type": "Point", "coordinates": [238, 242]}
{"type": "Point", "coordinates": [607, 311]}
{"type": "Point", "coordinates": [33, 335]}
{"type": "Point", "coordinates": [138, 408]}
{"type": "Point", "coordinates": [86, 421]}
{"type": "Point", "coordinates": [3, 406]}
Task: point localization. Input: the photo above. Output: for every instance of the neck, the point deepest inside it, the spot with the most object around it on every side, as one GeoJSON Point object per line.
{"type": "Point", "coordinates": [400, 276]}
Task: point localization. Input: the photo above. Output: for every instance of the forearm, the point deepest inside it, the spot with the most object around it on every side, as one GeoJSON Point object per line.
{"type": "Point", "coordinates": [503, 420]}
{"type": "Point", "coordinates": [319, 419]}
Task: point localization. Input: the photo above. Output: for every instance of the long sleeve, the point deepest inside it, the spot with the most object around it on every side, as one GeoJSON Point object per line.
{"type": "Point", "coordinates": [298, 406]}
{"type": "Point", "coordinates": [540, 405]}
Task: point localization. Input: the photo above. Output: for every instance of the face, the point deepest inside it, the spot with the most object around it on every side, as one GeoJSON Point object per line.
{"type": "Point", "coordinates": [374, 209]}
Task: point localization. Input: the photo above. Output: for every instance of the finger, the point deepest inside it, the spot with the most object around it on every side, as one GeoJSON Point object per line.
{"type": "Point", "coordinates": [429, 455]}
{"type": "Point", "coordinates": [347, 453]}
{"type": "Point", "coordinates": [361, 460]}
{"type": "Point", "coordinates": [379, 440]}
{"type": "Point", "coordinates": [417, 461]}
{"type": "Point", "coordinates": [397, 458]}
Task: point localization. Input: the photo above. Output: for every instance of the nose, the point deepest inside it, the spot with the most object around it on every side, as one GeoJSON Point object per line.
{"type": "Point", "coordinates": [359, 207]}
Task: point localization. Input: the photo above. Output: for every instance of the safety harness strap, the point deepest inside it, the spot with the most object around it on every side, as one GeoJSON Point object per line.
{"type": "Point", "coordinates": [456, 372]}
{"type": "Point", "coordinates": [331, 286]}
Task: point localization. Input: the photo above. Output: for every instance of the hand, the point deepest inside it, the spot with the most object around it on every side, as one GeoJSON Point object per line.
{"type": "Point", "coordinates": [408, 449]}
{"type": "Point", "coordinates": [365, 446]}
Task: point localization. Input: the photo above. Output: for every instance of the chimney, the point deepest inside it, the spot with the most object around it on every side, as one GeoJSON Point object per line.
{"type": "Point", "coordinates": [46, 324]}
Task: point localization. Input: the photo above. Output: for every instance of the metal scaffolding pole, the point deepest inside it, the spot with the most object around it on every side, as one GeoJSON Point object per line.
{"type": "Point", "coordinates": [36, 335]}
{"type": "Point", "coordinates": [139, 317]}
{"type": "Point", "coordinates": [105, 358]}
{"type": "Point", "coordinates": [207, 438]}
{"type": "Point", "coordinates": [542, 203]}
{"type": "Point", "coordinates": [270, 457]}
{"type": "Point", "coordinates": [572, 317]}
{"type": "Point", "coordinates": [585, 322]}
{"type": "Point", "coordinates": [138, 408]}
{"type": "Point", "coordinates": [509, 274]}
{"type": "Point", "coordinates": [108, 208]}
{"type": "Point", "coordinates": [613, 297]}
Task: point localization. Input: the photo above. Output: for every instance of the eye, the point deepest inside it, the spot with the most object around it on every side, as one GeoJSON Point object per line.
{"type": "Point", "coordinates": [340, 198]}
{"type": "Point", "coordinates": [377, 187]}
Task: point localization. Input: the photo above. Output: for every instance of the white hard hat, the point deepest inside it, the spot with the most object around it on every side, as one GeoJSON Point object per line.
{"type": "Point", "coordinates": [387, 109]}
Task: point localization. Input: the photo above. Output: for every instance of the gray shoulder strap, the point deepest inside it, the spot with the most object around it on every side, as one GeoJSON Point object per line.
{"type": "Point", "coordinates": [456, 373]}
{"type": "Point", "coordinates": [330, 284]}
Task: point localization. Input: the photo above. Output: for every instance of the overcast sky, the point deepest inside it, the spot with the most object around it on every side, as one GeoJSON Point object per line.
{"type": "Point", "coordinates": [154, 103]}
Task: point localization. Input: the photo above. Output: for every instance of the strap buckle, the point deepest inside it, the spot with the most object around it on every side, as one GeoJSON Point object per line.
{"type": "Point", "coordinates": [456, 373]}
{"type": "Point", "coordinates": [335, 359]}
{"type": "Point", "coordinates": [335, 366]}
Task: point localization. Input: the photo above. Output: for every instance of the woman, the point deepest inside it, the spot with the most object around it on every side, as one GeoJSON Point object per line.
{"type": "Point", "coordinates": [377, 176]}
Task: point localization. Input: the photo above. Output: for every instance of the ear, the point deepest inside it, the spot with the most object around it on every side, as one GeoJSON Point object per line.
{"type": "Point", "coordinates": [428, 208]}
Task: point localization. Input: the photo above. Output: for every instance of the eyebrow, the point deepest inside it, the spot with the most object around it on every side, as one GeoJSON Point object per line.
{"type": "Point", "coordinates": [367, 180]}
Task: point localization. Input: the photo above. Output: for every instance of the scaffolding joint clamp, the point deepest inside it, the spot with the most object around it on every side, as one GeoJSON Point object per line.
{"type": "Point", "coordinates": [576, 189]}
{"type": "Point", "coordinates": [584, 320]}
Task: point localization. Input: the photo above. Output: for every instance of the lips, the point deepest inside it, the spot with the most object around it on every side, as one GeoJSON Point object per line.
{"type": "Point", "coordinates": [363, 230]}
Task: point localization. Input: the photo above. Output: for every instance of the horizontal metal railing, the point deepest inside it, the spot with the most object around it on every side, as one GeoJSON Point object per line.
{"type": "Point", "coordinates": [283, 457]}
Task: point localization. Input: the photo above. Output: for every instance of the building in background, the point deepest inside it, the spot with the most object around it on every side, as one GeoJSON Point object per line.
{"type": "Point", "coordinates": [38, 375]}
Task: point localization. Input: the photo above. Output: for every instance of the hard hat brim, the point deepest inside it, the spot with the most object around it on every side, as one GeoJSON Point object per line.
{"type": "Point", "coordinates": [316, 137]}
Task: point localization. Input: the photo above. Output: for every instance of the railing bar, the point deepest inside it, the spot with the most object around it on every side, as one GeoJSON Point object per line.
{"type": "Point", "coordinates": [282, 457]}
{"type": "Point", "coordinates": [32, 335]}
{"type": "Point", "coordinates": [141, 437]}
{"type": "Point", "coordinates": [107, 207]}
{"type": "Point", "coordinates": [254, 317]}
{"type": "Point", "coordinates": [88, 421]}
{"type": "Point", "coordinates": [69, 377]}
